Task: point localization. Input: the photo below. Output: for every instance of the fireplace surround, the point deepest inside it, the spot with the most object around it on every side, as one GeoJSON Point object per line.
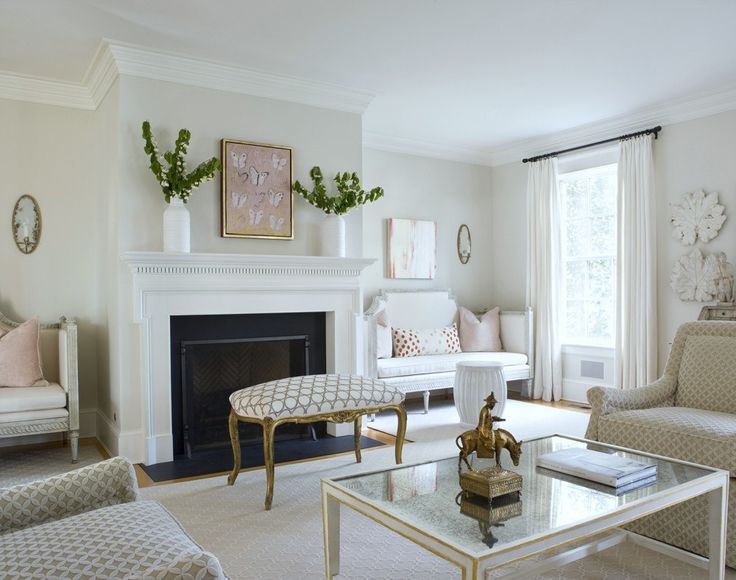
{"type": "Point", "coordinates": [154, 287]}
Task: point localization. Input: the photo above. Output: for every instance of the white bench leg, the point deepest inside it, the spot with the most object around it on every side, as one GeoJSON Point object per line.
{"type": "Point", "coordinates": [426, 402]}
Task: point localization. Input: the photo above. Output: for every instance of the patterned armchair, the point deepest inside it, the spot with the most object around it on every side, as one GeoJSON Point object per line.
{"type": "Point", "coordinates": [688, 414]}
{"type": "Point", "coordinates": [89, 523]}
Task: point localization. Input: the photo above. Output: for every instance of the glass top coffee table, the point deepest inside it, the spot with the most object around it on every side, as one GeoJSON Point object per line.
{"type": "Point", "coordinates": [424, 503]}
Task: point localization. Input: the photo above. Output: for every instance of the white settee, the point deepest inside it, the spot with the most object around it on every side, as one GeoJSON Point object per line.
{"type": "Point", "coordinates": [53, 408]}
{"type": "Point", "coordinates": [424, 309]}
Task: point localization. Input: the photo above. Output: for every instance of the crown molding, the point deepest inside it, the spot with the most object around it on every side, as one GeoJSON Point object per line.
{"type": "Point", "coordinates": [679, 110]}
{"type": "Point", "coordinates": [143, 62]}
{"type": "Point", "coordinates": [45, 91]}
{"type": "Point", "coordinates": [394, 144]}
{"type": "Point", "coordinates": [112, 59]}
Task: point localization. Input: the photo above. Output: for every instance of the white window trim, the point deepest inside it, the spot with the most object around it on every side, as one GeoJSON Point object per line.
{"type": "Point", "coordinates": [579, 163]}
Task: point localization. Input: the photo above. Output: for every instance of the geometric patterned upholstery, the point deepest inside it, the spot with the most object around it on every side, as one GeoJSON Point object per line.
{"type": "Point", "coordinates": [704, 437]}
{"type": "Point", "coordinates": [312, 395]}
{"type": "Point", "coordinates": [102, 484]}
{"type": "Point", "coordinates": [132, 540]}
{"type": "Point", "coordinates": [688, 414]}
{"type": "Point", "coordinates": [88, 524]}
{"type": "Point", "coordinates": [707, 377]}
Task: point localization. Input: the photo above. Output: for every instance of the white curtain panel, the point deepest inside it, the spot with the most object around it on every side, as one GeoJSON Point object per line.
{"type": "Point", "coordinates": [544, 276]}
{"type": "Point", "coordinates": [636, 276]}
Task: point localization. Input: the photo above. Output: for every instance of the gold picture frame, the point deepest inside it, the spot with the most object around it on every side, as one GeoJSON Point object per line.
{"type": "Point", "coordinates": [257, 200]}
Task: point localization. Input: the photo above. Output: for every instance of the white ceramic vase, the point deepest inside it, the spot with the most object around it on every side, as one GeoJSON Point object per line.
{"type": "Point", "coordinates": [176, 227]}
{"type": "Point", "coordinates": [332, 236]}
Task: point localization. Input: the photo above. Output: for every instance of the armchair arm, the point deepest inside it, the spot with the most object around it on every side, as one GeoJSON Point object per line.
{"type": "Point", "coordinates": [69, 368]}
{"type": "Point", "coordinates": [606, 400]}
{"type": "Point", "coordinates": [102, 484]}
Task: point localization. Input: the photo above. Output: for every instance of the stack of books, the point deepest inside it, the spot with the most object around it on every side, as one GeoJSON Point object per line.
{"type": "Point", "coordinates": [611, 470]}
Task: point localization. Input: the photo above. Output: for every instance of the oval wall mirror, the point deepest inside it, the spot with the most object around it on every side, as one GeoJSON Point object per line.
{"type": "Point", "coordinates": [26, 224]}
{"type": "Point", "coordinates": [463, 244]}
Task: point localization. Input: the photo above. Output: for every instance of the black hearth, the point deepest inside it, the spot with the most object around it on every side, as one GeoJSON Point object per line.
{"type": "Point", "coordinates": [214, 355]}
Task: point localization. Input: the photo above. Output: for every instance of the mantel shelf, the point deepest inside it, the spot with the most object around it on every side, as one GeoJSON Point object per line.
{"type": "Point", "coordinates": [162, 263]}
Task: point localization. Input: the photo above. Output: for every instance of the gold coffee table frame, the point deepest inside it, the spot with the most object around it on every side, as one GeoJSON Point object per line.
{"type": "Point", "coordinates": [269, 427]}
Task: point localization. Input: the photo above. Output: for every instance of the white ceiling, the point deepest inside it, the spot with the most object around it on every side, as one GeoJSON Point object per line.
{"type": "Point", "coordinates": [470, 74]}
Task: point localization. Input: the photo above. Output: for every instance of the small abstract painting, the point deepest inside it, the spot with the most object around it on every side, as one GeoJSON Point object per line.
{"type": "Point", "coordinates": [412, 249]}
{"type": "Point", "coordinates": [257, 200]}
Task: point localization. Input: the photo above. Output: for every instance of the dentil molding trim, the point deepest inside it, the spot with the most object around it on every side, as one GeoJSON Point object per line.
{"type": "Point", "coordinates": [160, 263]}
{"type": "Point", "coordinates": [114, 58]}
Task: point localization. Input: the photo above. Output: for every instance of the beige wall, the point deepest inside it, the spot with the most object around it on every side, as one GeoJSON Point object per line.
{"type": "Point", "coordinates": [54, 154]}
{"type": "Point", "coordinates": [447, 192]}
{"type": "Point", "coordinates": [688, 156]}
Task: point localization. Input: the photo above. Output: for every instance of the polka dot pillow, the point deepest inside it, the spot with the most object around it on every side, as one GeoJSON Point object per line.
{"type": "Point", "coordinates": [408, 342]}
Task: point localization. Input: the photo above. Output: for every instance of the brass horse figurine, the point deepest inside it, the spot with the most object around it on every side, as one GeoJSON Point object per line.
{"type": "Point", "coordinates": [473, 441]}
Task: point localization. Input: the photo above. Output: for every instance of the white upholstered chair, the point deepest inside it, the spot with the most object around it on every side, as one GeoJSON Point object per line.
{"type": "Point", "coordinates": [53, 408]}
{"type": "Point", "coordinates": [688, 414]}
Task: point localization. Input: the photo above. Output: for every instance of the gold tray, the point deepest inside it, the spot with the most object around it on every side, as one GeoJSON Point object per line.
{"type": "Point", "coordinates": [490, 482]}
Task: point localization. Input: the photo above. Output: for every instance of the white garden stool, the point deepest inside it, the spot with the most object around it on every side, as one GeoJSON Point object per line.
{"type": "Point", "coordinates": [474, 381]}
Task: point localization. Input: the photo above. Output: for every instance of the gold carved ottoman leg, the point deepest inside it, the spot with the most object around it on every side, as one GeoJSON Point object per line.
{"type": "Point", "coordinates": [358, 423]}
{"type": "Point", "coordinates": [232, 424]}
{"type": "Point", "coordinates": [268, 431]}
{"type": "Point", "coordinates": [400, 430]}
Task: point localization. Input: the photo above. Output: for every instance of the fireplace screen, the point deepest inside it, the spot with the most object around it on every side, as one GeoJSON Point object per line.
{"type": "Point", "coordinates": [212, 369]}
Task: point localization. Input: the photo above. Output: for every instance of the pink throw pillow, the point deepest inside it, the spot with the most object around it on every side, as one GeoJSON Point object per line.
{"type": "Point", "coordinates": [408, 342]}
{"type": "Point", "coordinates": [20, 361]}
{"type": "Point", "coordinates": [482, 335]}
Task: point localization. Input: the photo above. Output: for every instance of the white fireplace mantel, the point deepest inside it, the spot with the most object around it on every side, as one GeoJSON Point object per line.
{"type": "Point", "coordinates": [163, 285]}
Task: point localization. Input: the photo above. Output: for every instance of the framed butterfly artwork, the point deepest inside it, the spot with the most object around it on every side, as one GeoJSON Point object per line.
{"type": "Point", "coordinates": [257, 200]}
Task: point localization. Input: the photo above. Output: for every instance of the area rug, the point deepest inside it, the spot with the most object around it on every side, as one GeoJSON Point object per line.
{"type": "Point", "coordinates": [286, 542]}
{"type": "Point", "coordinates": [525, 420]}
{"type": "Point", "coordinates": [32, 462]}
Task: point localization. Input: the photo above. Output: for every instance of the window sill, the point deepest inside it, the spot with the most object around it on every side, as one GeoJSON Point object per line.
{"type": "Point", "coordinates": [588, 350]}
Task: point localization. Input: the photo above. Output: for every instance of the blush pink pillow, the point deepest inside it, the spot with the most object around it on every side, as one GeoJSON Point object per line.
{"type": "Point", "coordinates": [20, 362]}
{"type": "Point", "coordinates": [482, 335]}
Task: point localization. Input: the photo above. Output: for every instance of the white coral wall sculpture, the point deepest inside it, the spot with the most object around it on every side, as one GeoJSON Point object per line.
{"type": "Point", "coordinates": [694, 277]}
{"type": "Point", "coordinates": [699, 216]}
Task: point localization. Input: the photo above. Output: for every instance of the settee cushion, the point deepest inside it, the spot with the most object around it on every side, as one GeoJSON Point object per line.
{"type": "Point", "coordinates": [439, 363]}
{"type": "Point", "coordinates": [129, 540]}
{"type": "Point", "coordinates": [17, 399]}
{"type": "Point", "coordinates": [696, 435]}
{"type": "Point", "coordinates": [43, 415]}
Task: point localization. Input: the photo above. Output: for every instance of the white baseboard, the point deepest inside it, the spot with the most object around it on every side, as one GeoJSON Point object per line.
{"type": "Point", "coordinates": [107, 433]}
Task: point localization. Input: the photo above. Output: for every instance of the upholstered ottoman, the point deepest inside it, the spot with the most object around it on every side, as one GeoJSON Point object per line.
{"type": "Point", "coordinates": [308, 399]}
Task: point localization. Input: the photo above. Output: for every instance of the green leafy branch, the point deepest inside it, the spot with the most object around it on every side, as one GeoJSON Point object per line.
{"type": "Point", "coordinates": [349, 193]}
{"type": "Point", "coordinates": [174, 180]}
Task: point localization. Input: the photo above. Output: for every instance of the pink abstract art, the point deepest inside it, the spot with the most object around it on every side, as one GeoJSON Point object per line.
{"type": "Point", "coordinates": [412, 249]}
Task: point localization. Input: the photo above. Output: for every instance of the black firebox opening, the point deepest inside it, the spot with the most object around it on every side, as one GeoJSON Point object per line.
{"type": "Point", "coordinates": [214, 355]}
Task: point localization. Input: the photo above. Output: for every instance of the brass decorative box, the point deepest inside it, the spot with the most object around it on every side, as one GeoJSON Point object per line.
{"type": "Point", "coordinates": [490, 482]}
{"type": "Point", "coordinates": [490, 512]}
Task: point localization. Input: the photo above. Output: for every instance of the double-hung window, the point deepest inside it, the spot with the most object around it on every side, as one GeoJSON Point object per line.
{"type": "Point", "coordinates": [588, 232]}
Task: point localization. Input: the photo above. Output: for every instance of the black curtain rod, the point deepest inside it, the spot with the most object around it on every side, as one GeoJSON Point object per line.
{"type": "Point", "coordinates": [654, 130]}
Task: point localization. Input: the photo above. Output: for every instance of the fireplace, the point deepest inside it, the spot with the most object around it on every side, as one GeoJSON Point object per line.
{"type": "Point", "coordinates": [137, 422]}
{"type": "Point", "coordinates": [214, 355]}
